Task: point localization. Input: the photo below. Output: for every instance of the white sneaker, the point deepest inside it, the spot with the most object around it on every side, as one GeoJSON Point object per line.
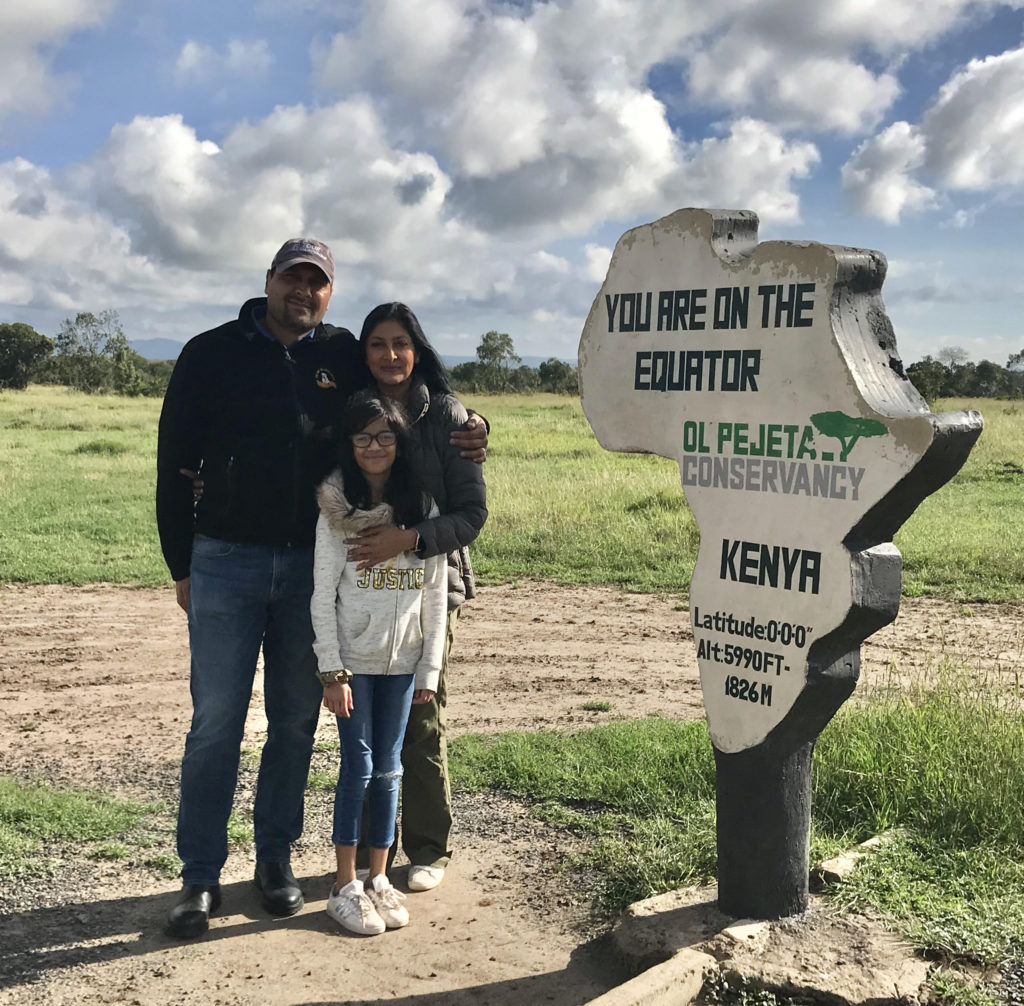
{"type": "Point", "coordinates": [354, 911]}
{"type": "Point", "coordinates": [425, 878]}
{"type": "Point", "coordinates": [388, 902]}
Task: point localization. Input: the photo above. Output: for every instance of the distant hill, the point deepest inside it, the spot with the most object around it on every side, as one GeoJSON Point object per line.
{"type": "Point", "coordinates": [168, 349]}
{"type": "Point", "coordinates": [157, 349]}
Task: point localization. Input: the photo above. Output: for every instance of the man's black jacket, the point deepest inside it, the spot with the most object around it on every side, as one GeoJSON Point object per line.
{"type": "Point", "coordinates": [257, 421]}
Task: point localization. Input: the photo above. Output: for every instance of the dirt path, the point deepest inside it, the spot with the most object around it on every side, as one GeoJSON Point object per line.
{"type": "Point", "coordinates": [95, 694]}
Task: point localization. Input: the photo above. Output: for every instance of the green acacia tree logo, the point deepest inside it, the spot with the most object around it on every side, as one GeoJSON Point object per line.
{"type": "Point", "coordinates": [847, 429]}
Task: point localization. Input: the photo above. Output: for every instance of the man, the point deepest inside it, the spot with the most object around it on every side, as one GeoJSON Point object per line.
{"type": "Point", "coordinates": [251, 405]}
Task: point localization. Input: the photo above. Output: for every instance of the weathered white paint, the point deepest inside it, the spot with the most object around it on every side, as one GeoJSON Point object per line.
{"type": "Point", "coordinates": [837, 361]}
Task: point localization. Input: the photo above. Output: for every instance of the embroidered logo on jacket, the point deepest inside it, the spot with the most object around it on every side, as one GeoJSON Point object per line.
{"type": "Point", "coordinates": [390, 579]}
{"type": "Point", "coordinates": [324, 378]}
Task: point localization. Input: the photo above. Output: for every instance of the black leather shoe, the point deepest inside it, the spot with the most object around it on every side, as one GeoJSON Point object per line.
{"type": "Point", "coordinates": [190, 917]}
{"type": "Point", "coordinates": [281, 892]}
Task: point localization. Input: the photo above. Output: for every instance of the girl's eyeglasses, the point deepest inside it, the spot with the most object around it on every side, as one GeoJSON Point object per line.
{"type": "Point", "coordinates": [385, 438]}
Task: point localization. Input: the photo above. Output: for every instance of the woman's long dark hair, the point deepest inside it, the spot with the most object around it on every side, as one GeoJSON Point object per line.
{"type": "Point", "coordinates": [404, 490]}
{"type": "Point", "coordinates": [428, 365]}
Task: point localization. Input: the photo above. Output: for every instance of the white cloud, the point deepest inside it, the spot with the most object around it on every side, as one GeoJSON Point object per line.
{"type": "Point", "coordinates": [198, 62]}
{"type": "Point", "coordinates": [970, 139]}
{"type": "Point", "coordinates": [248, 55]}
{"type": "Point", "coordinates": [56, 252]}
{"type": "Point", "coordinates": [543, 118]}
{"type": "Point", "coordinates": [879, 175]}
{"type": "Point", "coordinates": [544, 261]}
{"type": "Point", "coordinates": [752, 167]}
{"type": "Point", "coordinates": [432, 189]}
{"type": "Point", "coordinates": [964, 218]}
{"type": "Point", "coordinates": [30, 34]}
{"type": "Point", "coordinates": [158, 202]}
{"type": "Point", "coordinates": [542, 115]}
{"type": "Point", "coordinates": [799, 89]}
{"type": "Point", "coordinates": [598, 258]}
{"type": "Point", "coordinates": [975, 128]}
{"type": "Point", "coordinates": [806, 65]}
{"type": "Point", "coordinates": [455, 139]}
{"type": "Point", "coordinates": [193, 60]}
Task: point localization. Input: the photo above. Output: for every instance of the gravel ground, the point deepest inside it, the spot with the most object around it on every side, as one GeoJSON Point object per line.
{"type": "Point", "coordinates": [95, 696]}
{"type": "Point", "coordinates": [1011, 989]}
{"type": "Point", "coordinates": [530, 864]}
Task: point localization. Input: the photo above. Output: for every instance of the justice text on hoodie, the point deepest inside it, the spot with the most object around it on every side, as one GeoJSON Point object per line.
{"type": "Point", "coordinates": [386, 620]}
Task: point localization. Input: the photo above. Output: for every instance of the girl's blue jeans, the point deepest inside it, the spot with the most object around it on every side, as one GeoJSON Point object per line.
{"type": "Point", "coordinates": [371, 758]}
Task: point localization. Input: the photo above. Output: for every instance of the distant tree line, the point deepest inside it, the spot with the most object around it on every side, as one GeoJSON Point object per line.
{"type": "Point", "coordinates": [89, 353]}
{"type": "Point", "coordinates": [950, 374]}
{"type": "Point", "coordinates": [498, 368]}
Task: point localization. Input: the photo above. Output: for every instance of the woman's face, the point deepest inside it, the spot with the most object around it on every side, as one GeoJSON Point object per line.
{"type": "Point", "coordinates": [375, 458]}
{"type": "Point", "coordinates": [390, 356]}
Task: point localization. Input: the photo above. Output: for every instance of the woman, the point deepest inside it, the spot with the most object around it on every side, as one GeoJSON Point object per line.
{"type": "Point", "coordinates": [407, 371]}
{"type": "Point", "coordinates": [379, 646]}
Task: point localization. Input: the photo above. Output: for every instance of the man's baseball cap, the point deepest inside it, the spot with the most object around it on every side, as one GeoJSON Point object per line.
{"type": "Point", "coordinates": [297, 250]}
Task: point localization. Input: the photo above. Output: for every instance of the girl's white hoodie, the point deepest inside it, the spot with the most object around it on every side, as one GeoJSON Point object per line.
{"type": "Point", "coordinates": [386, 620]}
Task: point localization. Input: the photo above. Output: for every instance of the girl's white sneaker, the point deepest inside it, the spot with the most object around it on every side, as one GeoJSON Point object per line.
{"type": "Point", "coordinates": [388, 902]}
{"type": "Point", "coordinates": [353, 910]}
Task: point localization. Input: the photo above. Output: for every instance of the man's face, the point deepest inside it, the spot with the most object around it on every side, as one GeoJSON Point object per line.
{"type": "Point", "coordinates": [297, 297]}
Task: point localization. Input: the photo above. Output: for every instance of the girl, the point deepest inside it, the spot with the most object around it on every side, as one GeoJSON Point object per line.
{"type": "Point", "coordinates": [379, 645]}
{"type": "Point", "coordinates": [408, 372]}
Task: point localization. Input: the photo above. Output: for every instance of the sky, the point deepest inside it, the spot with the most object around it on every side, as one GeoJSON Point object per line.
{"type": "Point", "coordinates": [478, 159]}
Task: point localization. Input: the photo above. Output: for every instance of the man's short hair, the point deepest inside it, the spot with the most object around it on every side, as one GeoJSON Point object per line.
{"type": "Point", "coordinates": [296, 250]}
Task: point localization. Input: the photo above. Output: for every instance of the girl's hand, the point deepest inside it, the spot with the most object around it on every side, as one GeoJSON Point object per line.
{"type": "Point", "coordinates": [197, 484]}
{"type": "Point", "coordinates": [378, 544]}
{"type": "Point", "coordinates": [338, 699]}
{"type": "Point", "coordinates": [422, 696]}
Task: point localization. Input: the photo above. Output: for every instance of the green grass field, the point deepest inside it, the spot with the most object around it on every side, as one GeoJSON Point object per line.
{"type": "Point", "coordinates": [76, 488]}
{"type": "Point", "coordinates": [77, 483]}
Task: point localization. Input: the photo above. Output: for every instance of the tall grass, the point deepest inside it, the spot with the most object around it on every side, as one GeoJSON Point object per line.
{"type": "Point", "coordinates": [941, 770]}
{"type": "Point", "coordinates": [77, 482]}
{"type": "Point", "coordinates": [563, 508]}
{"type": "Point", "coordinates": [642, 793]}
{"type": "Point", "coordinates": [946, 762]}
{"type": "Point", "coordinates": [967, 540]}
{"type": "Point", "coordinates": [76, 487]}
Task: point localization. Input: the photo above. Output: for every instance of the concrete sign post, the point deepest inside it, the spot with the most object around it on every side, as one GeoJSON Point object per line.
{"type": "Point", "coordinates": [770, 373]}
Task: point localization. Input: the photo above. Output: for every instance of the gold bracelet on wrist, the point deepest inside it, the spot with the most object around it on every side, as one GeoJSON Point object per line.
{"type": "Point", "coordinates": [342, 677]}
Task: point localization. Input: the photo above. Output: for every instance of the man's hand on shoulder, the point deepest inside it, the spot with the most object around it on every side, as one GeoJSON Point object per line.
{"type": "Point", "coordinates": [472, 439]}
{"type": "Point", "coordinates": [181, 592]}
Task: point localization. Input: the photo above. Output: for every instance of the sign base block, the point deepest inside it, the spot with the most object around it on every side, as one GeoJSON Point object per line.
{"type": "Point", "coordinates": [763, 802]}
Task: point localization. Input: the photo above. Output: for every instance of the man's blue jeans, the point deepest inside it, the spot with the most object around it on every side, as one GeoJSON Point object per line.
{"type": "Point", "coordinates": [371, 757]}
{"type": "Point", "coordinates": [242, 597]}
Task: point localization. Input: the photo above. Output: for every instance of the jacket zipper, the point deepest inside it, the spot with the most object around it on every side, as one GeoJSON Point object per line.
{"type": "Point", "coordinates": [294, 445]}
{"type": "Point", "coordinates": [394, 635]}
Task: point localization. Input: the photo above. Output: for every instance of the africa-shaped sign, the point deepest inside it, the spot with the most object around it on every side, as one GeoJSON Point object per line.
{"type": "Point", "coordinates": [769, 372]}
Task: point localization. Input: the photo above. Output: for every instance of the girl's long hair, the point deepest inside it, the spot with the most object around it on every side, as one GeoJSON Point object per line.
{"type": "Point", "coordinates": [404, 490]}
{"type": "Point", "coordinates": [428, 365]}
